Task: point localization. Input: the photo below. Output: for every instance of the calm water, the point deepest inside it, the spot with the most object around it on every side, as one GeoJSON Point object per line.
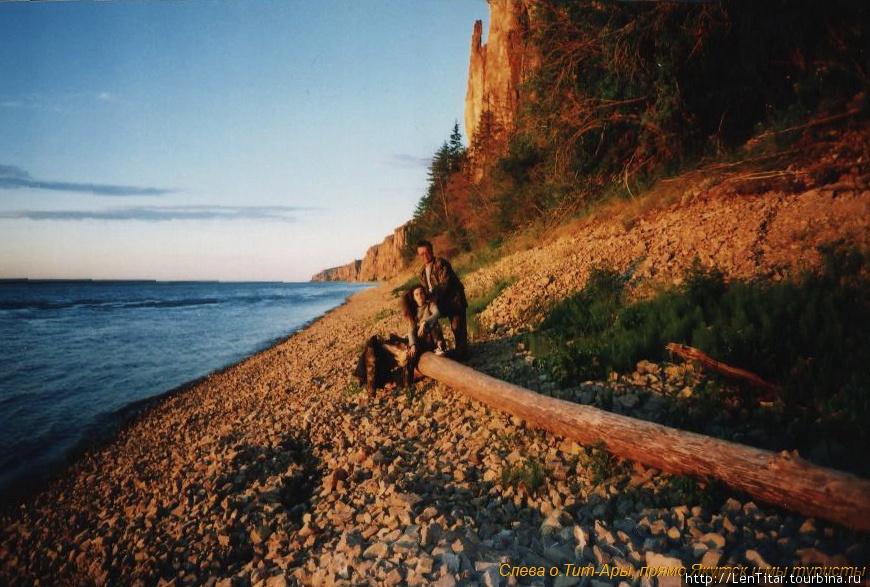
{"type": "Point", "coordinates": [74, 355]}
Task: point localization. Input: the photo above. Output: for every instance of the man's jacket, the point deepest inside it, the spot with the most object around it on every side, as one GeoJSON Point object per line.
{"type": "Point", "coordinates": [446, 289]}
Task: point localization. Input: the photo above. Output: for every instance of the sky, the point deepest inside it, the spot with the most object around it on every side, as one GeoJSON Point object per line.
{"type": "Point", "coordinates": [255, 140]}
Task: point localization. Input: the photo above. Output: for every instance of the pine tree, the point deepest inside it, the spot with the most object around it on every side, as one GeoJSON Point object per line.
{"type": "Point", "coordinates": [457, 151]}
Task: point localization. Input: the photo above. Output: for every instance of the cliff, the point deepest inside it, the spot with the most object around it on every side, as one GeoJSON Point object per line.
{"type": "Point", "coordinates": [381, 261]}
{"type": "Point", "coordinates": [385, 260]}
{"type": "Point", "coordinates": [495, 72]}
{"type": "Point", "coordinates": [349, 272]}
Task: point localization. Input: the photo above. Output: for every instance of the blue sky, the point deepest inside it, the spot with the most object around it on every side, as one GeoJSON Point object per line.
{"type": "Point", "coordinates": [231, 140]}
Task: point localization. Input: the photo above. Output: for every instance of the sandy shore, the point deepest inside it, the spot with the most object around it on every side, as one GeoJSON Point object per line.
{"type": "Point", "coordinates": [278, 472]}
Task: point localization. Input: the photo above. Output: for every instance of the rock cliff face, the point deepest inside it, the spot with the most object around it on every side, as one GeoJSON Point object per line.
{"type": "Point", "coordinates": [381, 261]}
{"type": "Point", "coordinates": [349, 272]}
{"type": "Point", "coordinates": [495, 72]}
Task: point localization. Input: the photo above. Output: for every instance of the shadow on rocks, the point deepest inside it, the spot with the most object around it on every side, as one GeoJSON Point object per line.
{"type": "Point", "coordinates": [265, 494]}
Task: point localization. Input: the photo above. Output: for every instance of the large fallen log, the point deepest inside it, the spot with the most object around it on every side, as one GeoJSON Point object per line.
{"type": "Point", "coordinates": [783, 479]}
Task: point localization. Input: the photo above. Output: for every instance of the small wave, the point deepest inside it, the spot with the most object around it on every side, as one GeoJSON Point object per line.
{"type": "Point", "coordinates": [50, 304]}
{"type": "Point", "coordinates": [287, 297]}
{"type": "Point", "coordinates": [112, 304]}
{"type": "Point", "coordinates": [171, 303]}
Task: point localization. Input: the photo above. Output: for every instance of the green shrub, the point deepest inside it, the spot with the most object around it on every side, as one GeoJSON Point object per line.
{"type": "Point", "coordinates": [808, 335]}
{"type": "Point", "coordinates": [629, 91]}
{"type": "Point", "coordinates": [529, 476]}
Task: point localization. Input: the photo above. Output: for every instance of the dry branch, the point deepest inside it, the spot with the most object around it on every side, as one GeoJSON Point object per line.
{"type": "Point", "coordinates": [707, 361]}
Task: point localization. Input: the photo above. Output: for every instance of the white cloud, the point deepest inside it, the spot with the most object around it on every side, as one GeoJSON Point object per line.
{"type": "Point", "coordinates": [163, 213]}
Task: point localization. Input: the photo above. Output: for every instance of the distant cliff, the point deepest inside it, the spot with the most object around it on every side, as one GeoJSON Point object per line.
{"type": "Point", "coordinates": [385, 260]}
{"type": "Point", "coordinates": [349, 272]}
{"type": "Point", "coordinates": [381, 261]}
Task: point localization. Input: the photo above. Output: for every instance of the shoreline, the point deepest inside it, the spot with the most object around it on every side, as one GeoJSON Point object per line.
{"type": "Point", "coordinates": [109, 425]}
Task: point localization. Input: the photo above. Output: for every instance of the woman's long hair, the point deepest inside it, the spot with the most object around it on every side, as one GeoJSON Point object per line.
{"type": "Point", "coordinates": [409, 304]}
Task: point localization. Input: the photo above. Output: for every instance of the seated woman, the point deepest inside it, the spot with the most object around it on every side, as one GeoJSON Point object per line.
{"type": "Point", "coordinates": [424, 332]}
{"type": "Point", "coordinates": [393, 360]}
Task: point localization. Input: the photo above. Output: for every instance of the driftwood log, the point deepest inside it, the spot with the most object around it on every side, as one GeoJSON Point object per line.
{"type": "Point", "coordinates": [693, 354]}
{"type": "Point", "coordinates": [783, 479]}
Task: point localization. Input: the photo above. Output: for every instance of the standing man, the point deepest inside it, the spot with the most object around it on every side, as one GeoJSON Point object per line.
{"type": "Point", "coordinates": [444, 287]}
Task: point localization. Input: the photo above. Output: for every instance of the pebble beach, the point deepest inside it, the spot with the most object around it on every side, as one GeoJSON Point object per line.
{"type": "Point", "coordinates": [280, 471]}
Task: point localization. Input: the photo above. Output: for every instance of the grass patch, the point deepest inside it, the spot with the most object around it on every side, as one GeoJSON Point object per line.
{"type": "Point", "coordinates": [528, 476]}
{"type": "Point", "coordinates": [685, 490]}
{"type": "Point", "coordinates": [600, 463]}
{"type": "Point", "coordinates": [805, 334]}
{"type": "Point", "coordinates": [383, 314]}
{"type": "Point", "coordinates": [352, 388]}
{"type": "Point", "coordinates": [480, 257]}
{"type": "Point", "coordinates": [412, 281]}
{"type": "Point", "coordinates": [478, 304]}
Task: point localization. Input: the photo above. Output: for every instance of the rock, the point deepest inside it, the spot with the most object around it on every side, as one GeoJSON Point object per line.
{"type": "Point", "coordinates": [558, 555]}
{"type": "Point", "coordinates": [814, 557]}
{"type": "Point", "coordinates": [260, 534]}
{"type": "Point", "coordinates": [277, 581]}
{"type": "Point", "coordinates": [808, 527]}
{"type": "Point", "coordinates": [713, 540]}
{"type": "Point", "coordinates": [378, 550]}
{"type": "Point", "coordinates": [711, 558]}
{"type": "Point", "coordinates": [452, 561]}
{"type": "Point", "coordinates": [408, 500]}
{"type": "Point", "coordinates": [464, 546]}
{"type": "Point", "coordinates": [491, 576]}
{"type": "Point", "coordinates": [755, 559]}
{"type": "Point", "coordinates": [628, 400]}
{"type": "Point", "coordinates": [658, 528]}
{"type": "Point", "coordinates": [732, 506]}
{"type": "Point", "coordinates": [430, 534]}
{"type": "Point", "coordinates": [445, 581]}
{"type": "Point", "coordinates": [425, 564]}
{"type": "Point", "coordinates": [647, 368]}
{"type": "Point", "coordinates": [581, 536]}
{"type": "Point", "coordinates": [552, 523]}
{"type": "Point", "coordinates": [654, 559]}
{"type": "Point", "coordinates": [566, 581]}
{"type": "Point", "coordinates": [394, 577]}
{"type": "Point", "coordinates": [600, 556]}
